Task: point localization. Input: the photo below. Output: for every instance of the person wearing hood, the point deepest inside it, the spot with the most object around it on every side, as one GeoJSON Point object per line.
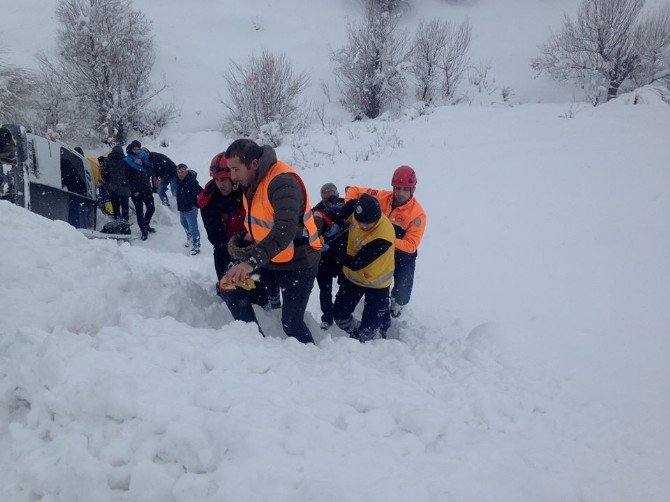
{"type": "Point", "coordinates": [114, 174]}
{"type": "Point", "coordinates": [367, 267]}
{"type": "Point", "coordinates": [281, 229]}
{"type": "Point", "coordinates": [139, 179]}
{"type": "Point", "coordinates": [188, 190]}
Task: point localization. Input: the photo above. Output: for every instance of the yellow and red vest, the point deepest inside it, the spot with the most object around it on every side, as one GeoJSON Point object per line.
{"type": "Point", "coordinates": [260, 213]}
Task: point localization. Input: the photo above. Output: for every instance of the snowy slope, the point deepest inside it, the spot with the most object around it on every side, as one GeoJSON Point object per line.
{"type": "Point", "coordinates": [532, 363]}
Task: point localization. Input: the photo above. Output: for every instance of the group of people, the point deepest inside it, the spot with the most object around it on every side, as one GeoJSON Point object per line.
{"type": "Point", "coordinates": [267, 238]}
{"type": "Point", "coordinates": [270, 244]}
{"type": "Point", "coordinates": [134, 174]}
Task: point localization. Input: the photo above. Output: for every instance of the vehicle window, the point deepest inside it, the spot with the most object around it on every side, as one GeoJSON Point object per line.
{"type": "Point", "coordinates": [72, 173]}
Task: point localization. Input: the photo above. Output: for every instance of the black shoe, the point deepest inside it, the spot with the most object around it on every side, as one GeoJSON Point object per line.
{"type": "Point", "coordinates": [144, 236]}
{"type": "Point", "coordinates": [151, 230]}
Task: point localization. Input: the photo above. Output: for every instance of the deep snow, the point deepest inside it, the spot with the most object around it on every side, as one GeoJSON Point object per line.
{"type": "Point", "coordinates": [532, 363]}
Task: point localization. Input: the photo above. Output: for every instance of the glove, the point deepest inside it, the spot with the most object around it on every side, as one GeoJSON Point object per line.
{"type": "Point", "coordinates": [333, 231]}
{"type": "Point", "coordinates": [248, 284]}
{"type": "Point", "coordinates": [325, 247]}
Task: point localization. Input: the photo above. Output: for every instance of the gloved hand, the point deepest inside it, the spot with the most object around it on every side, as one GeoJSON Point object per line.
{"type": "Point", "coordinates": [333, 231]}
{"type": "Point", "coordinates": [325, 247]}
{"type": "Point", "coordinates": [248, 284]}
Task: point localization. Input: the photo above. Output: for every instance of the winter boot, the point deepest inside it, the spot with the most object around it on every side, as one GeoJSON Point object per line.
{"type": "Point", "coordinates": [195, 250]}
{"type": "Point", "coordinates": [145, 235]}
{"type": "Point", "coordinates": [151, 230]}
{"type": "Point", "coordinates": [325, 324]}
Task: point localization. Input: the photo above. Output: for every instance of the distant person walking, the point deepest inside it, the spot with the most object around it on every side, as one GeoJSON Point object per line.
{"type": "Point", "coordinates": [114, 172]}
{"type": "Point", "coordinates": [188, 189]}
{"type": "Point", "coordinates": [139, 180]}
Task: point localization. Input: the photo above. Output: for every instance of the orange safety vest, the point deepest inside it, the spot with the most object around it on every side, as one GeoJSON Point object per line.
{"type": "Point", "coordinates": [260, 213]}
{"type": "Point", "coordinates": [409, 219]}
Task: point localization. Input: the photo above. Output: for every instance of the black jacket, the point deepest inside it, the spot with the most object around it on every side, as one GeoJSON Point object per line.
{"type": "Point", "coordinates": [222, 215]}
{"type": "Point", "coordinates": [187, 191]}
{"type": "Point", "coordinates": [114, 171]}
{"type": "Point", "coordinates": [162, 166]}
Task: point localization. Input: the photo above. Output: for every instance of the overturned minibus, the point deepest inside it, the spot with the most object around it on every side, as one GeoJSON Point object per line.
{"type": "Point", "coordinates": [46, 177]}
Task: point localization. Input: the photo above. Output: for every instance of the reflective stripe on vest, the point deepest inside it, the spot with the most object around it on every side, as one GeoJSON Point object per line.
{"type": "Point", "coordinates": [260, 213]}
{"type": "Point", "coordinates": [379, 273]}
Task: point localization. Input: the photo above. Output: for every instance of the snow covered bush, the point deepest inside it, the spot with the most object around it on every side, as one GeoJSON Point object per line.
{"type": "Point", "coordinates": [104, 62]}
{"type": "Point", "coordinates": [263, 98]}
{"type": "Point", "coordinates": [370, 69]}
{"type": "Point", "coordinates": [610, 45]}
{"type": "Point", "coordinates": [15, 92]}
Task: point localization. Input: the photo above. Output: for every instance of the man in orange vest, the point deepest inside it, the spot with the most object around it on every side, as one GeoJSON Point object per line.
{"type": "Point", "coordinates": [280, 224]}
{"type": "Point", "coordinates": [409, 221]}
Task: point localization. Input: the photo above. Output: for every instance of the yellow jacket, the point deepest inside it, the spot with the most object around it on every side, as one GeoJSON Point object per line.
{"type": "Point", "coordinates": [379, 273]}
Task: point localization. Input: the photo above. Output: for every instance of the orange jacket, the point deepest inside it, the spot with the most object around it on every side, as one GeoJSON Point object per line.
{"type": "Point", "coordinates": [409, 220]}
{"type": "Point", "coordinates": [260, 213]}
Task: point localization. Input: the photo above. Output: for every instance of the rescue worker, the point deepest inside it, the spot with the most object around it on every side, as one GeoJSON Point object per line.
{"type": "Point", "coordinates": [281, 229]}
{"type": "Point", "coordinates": [139, 179]}
{"type": "Point", "coordinates": [368, 269]}
{"type": "Point", "coordinates": [330, 266]}
{"type": "Point", "coordinates": [409, 221]}
{"type": "Point", "coordinates": [222, 212]}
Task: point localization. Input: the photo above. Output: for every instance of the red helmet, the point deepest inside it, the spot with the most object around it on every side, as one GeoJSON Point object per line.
{"type": "Point", "coordinates": [218, 168]}
{"type": "Point", "coordinates": [404, 177]}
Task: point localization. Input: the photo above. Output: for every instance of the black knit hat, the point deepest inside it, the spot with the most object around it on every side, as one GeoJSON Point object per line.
{"type": "Point", "coordinates": [134, 144]}
{"type": "Point", "coordinates": [367, 210]}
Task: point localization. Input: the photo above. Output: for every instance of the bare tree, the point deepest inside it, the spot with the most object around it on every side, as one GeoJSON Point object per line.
{"type": "Point", "coordinates": [370, 69]}
{"type": "Point", "coordinates": [263, 97]}
{"type": "Point", "coordinates": [608, 44]}
{"type": "Point", "coordinates": [440, 57]}
{"type": "Point", "coordinates": [15, 92]}
{"type": "Point", "coordinates": [104, 62]}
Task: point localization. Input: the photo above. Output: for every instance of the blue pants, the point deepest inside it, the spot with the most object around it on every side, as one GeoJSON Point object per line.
{"type": "Point", "coordinates": [189, 220]}
{"type": "Point", "coordinates": [162, 189]}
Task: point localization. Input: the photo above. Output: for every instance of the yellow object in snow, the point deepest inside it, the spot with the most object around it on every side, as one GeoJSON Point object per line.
{"type": "Point", "coordinates": [248, 283]}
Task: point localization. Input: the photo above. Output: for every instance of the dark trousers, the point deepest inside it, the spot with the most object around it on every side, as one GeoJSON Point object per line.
{"type": "Point", "coordinates": [144, 199]}
{"type": "Point", "coordinates": [295, 287]}
{"type": "Point", "coordinates": [119, 206]}
{"type": "Point", "coordinates": [222, 260]}
{"type": "Point", "coordinates": [403, 277]}
{"type": "Point", "coordinates": [329, 269]}
{"type": "Point", "coordinates": [374, 310]}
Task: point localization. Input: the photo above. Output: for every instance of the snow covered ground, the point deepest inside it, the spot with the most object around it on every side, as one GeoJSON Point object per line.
{"type": "Point", "coordinates": [532, 363]}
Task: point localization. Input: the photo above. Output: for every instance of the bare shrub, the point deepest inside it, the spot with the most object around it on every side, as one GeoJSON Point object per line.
{"type": "Point", "coordinates": [370, 69]}
{"type": "Point", "coordinates": [609, 45]}
{"type": "Point", "coordinates": [105, 57]}
{"type": "Point", "coordinates": [262, 97]}
{"type": "Point", "coordinates": [440, 57]}
{"type": "Point", "coordinates": [15, 92]}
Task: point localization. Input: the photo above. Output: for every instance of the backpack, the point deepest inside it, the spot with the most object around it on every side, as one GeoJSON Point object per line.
{"type": "Point", "coordinates": [119, 227]}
